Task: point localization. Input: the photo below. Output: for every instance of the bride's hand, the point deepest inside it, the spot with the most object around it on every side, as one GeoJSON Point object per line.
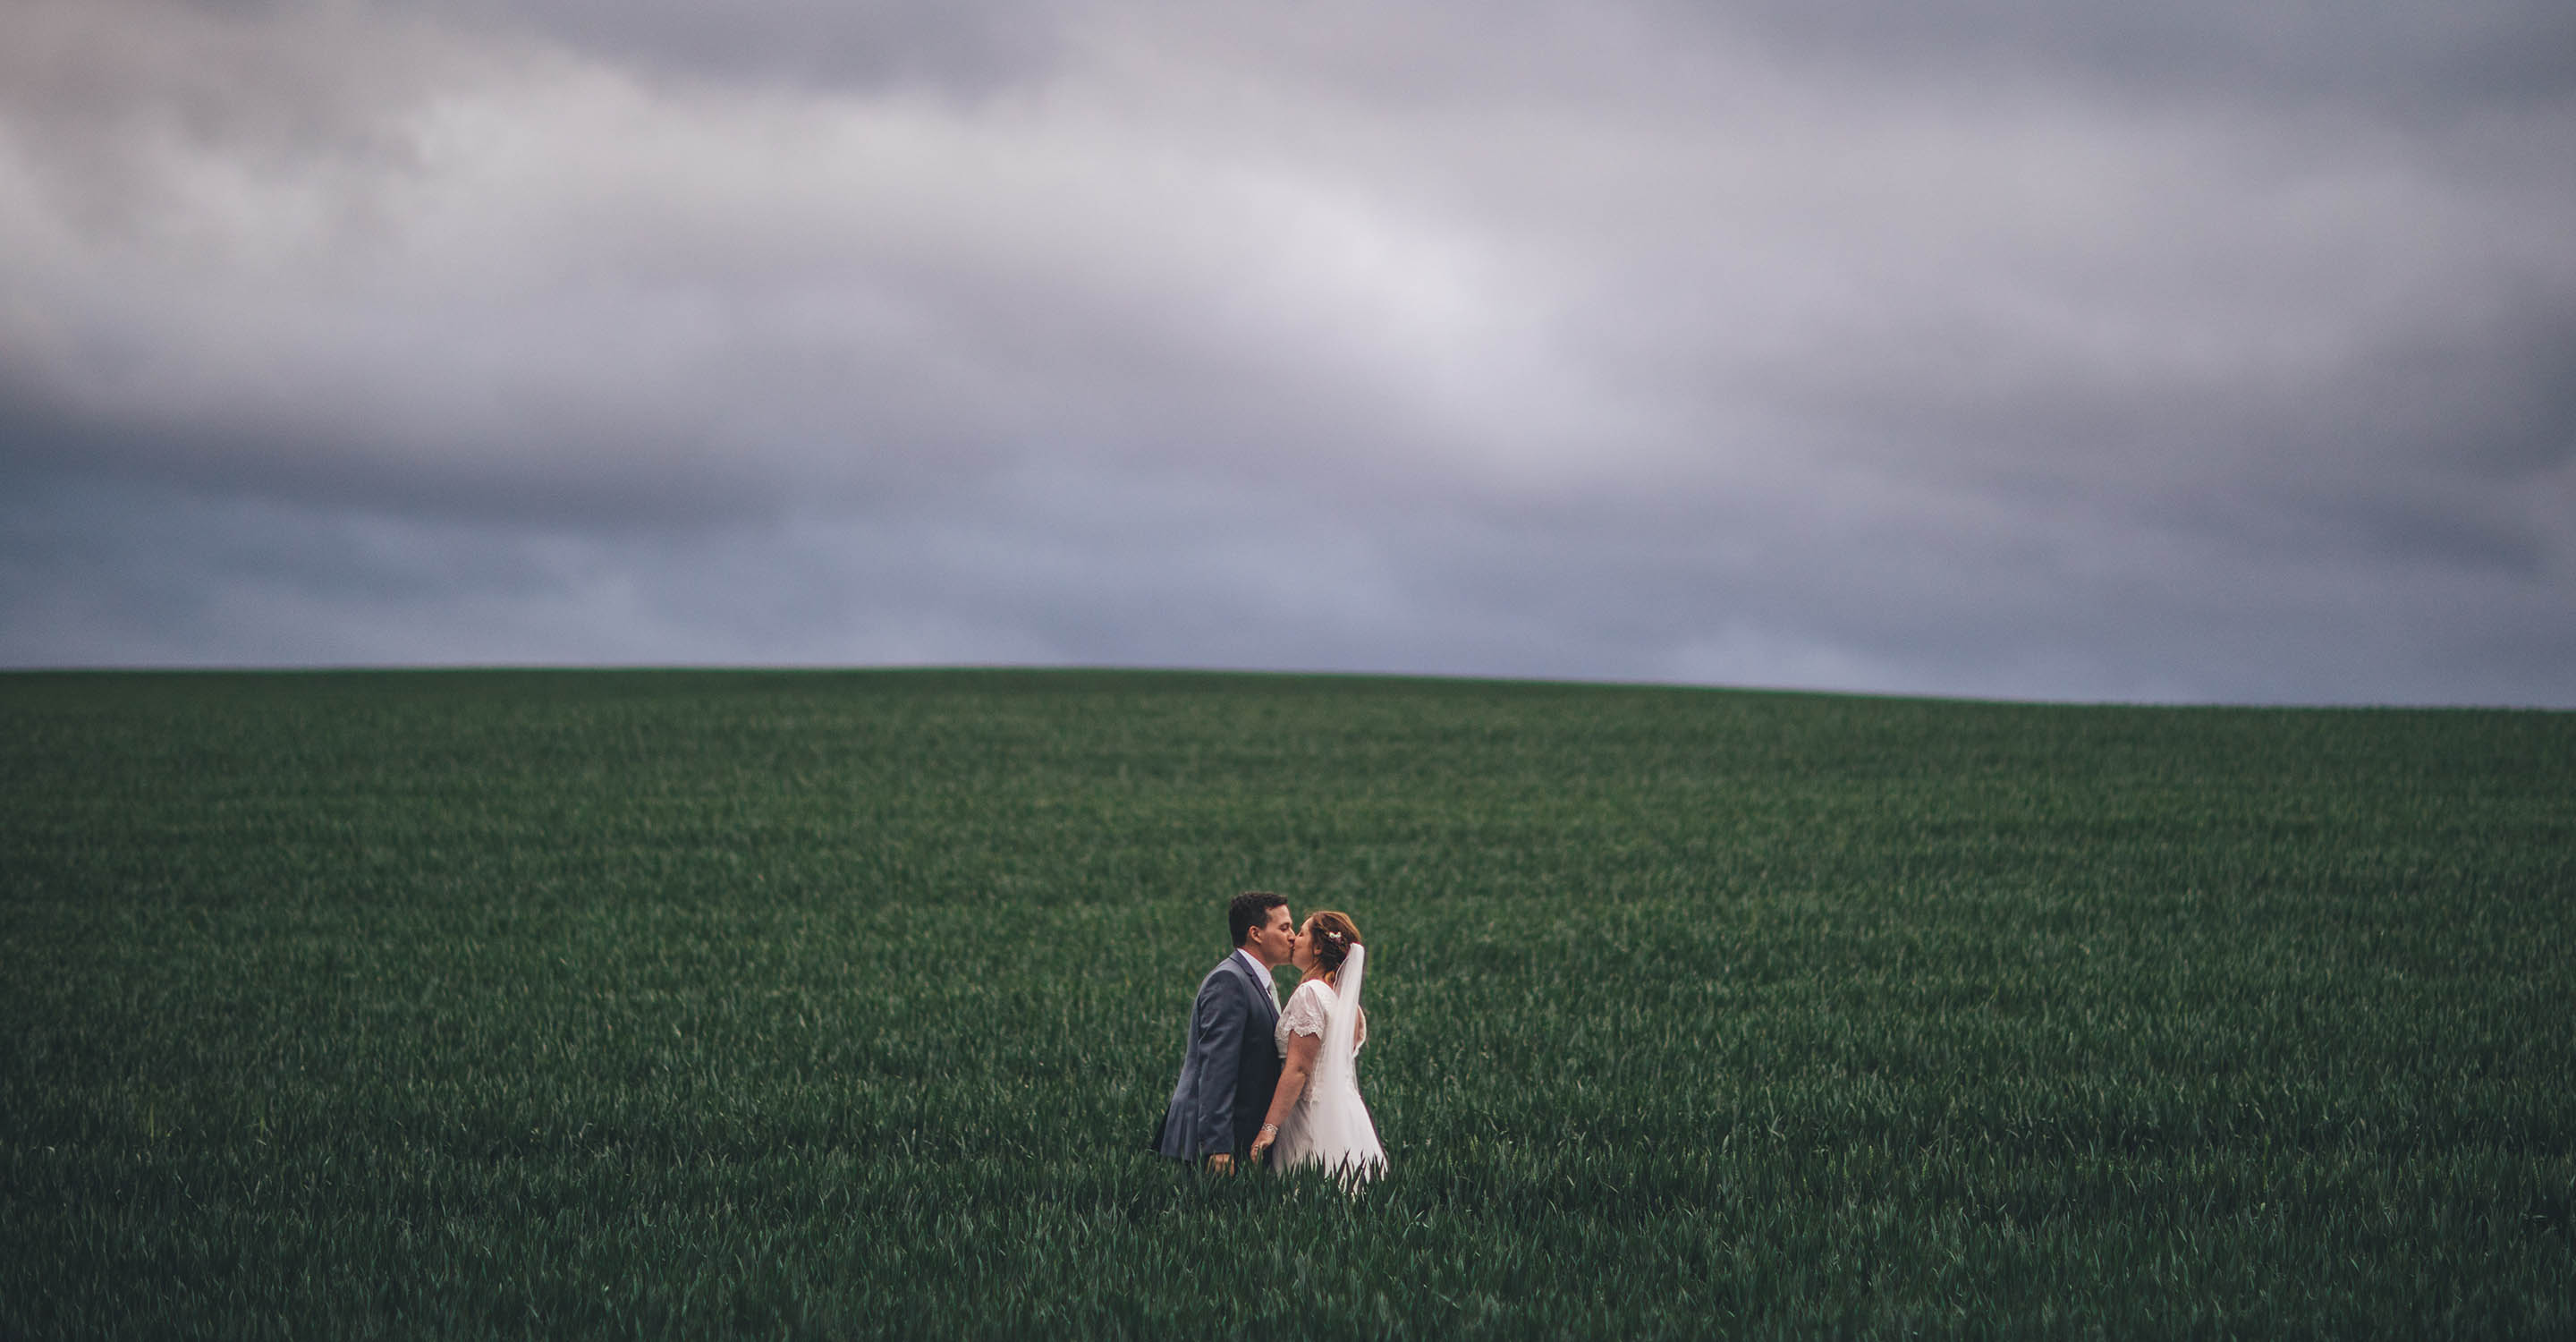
{"type": "Point", "coordinates": [1261, 1144]}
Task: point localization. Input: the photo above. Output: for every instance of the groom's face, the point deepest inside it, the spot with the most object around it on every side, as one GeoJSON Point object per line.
{"type": "Point", "coordinates": [1275, 940]}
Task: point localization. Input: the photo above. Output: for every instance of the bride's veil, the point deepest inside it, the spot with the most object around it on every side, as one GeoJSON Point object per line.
{"type": "Point", "coordinates": [1340, 1135]}
{"type": "Point", "coordinates": [1341, 1030]}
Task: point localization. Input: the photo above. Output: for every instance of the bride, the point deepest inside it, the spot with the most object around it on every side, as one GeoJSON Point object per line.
{"type": "Point", "coordinates": [1317, 1116]}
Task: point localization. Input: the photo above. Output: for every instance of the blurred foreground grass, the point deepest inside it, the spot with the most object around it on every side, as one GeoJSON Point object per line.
{"type": "Point", "coordinates": [808, 1004]}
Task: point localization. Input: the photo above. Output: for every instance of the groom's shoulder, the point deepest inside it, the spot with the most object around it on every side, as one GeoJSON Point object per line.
{"type": "Point", "coordinates": [1222, 972]}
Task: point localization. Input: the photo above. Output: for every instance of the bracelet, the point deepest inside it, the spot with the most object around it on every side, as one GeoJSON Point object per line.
{"type": "Point", "coordinates": [1269, 1129]}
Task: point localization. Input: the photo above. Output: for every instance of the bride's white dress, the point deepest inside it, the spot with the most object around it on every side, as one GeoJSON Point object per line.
{"type": "Point", "coordinates": [1330, 1125]}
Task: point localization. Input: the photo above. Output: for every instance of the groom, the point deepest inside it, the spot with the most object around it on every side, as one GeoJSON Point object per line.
{"type": "Point", "coordinates": [1233, 1063]}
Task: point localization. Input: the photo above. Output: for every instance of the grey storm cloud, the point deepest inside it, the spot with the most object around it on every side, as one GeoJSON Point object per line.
{"type": "Point", "coordinates": [2071, 351]}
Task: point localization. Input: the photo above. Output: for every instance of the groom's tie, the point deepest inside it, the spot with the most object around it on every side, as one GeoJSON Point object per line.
{"type": "Point", "coordinates": [1270, 981]}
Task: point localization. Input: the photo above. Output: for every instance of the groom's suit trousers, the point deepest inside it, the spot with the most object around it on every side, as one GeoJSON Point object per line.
{"type": "Point", "coordinates": [1230, 1071]}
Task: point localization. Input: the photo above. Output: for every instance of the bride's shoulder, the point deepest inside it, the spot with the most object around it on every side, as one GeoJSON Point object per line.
{"type": "Point", "coordinates": [1315, 991]}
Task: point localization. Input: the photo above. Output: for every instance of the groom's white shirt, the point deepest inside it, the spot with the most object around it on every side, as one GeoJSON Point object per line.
{"type": "Point", "coordinates": [1262, 972]}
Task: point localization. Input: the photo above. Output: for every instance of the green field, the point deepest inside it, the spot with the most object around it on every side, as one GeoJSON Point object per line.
{"type": "Point", "coordinates": [818, 1004]}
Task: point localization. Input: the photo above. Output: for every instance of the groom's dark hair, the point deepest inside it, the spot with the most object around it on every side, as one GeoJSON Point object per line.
{"type": "Point", "coordinates": [1250, 910]}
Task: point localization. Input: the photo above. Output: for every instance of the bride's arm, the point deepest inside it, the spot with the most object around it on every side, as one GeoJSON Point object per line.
{"type": "Point", "coordinates": [1302, 1050]}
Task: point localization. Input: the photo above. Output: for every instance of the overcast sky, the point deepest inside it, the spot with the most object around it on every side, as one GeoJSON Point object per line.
{"type": "Point", "coordinates": [2069, 349]}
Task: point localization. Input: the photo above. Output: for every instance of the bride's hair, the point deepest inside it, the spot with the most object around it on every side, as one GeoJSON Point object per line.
{"type": "Point", "coordinates": [1334, 935]}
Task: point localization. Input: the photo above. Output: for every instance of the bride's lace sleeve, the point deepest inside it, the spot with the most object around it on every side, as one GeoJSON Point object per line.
{"type": "Point", "coordinates": [1305, 1013]}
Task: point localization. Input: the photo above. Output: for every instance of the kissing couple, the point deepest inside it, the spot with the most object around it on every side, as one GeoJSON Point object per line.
{"type": "Point", "coordinates": [1272, 1084]}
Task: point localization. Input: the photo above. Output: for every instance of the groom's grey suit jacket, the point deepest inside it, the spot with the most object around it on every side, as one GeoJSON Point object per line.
{"type": "Point", "coordinates": [1231, 1069]}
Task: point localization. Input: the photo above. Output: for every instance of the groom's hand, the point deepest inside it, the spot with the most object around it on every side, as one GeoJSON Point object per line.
{"type": "Point", "coordinates": [1221, 1163]}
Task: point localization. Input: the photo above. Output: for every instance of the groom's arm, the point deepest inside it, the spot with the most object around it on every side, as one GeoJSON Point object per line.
{"type": "Point", "coordinates": [1221, 1015]}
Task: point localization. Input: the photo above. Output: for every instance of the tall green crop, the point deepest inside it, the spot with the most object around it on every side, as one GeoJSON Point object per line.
{"type": "Point", "coordinates": [829, 1005]}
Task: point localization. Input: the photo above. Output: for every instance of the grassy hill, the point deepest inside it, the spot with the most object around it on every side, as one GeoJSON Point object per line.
{"type": "Point", "coordinates": [821, 1004]}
